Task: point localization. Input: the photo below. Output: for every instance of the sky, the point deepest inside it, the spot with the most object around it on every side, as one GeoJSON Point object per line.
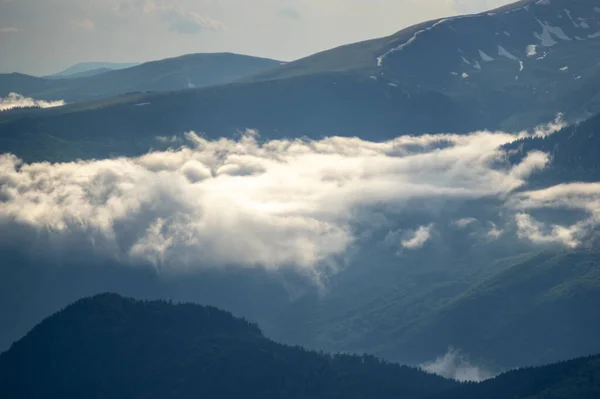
{"type": "Point", "coordinates": [45, 36]}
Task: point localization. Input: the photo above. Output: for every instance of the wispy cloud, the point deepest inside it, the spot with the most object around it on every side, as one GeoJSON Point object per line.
{"type": "Point", "coordinates": [457, 366]}
{"type": "Point", "coordinates": [15, 100]}
{"type": "Point", "coordinates": [494, 232]}
{"type": "Point", "coordinates": [464, 222]}
{"type": "Point", "coordinates": [419, 238]}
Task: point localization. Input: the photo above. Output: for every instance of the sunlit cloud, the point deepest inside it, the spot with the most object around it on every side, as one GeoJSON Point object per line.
{"type": "Point", "coordinates": [419, 238]}
{"type": "Point", "coordinates": [574, 196]}
{"type": "Point", "coordinates": [274, 204]}
{"type": "Point", "coordinates": [15, 100]}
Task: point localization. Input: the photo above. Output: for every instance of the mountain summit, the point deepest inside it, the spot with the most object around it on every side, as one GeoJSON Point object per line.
{"type": "Point", "coordinates": [108, 346]}
{"type": "Point", "coordinates": [534, 53]}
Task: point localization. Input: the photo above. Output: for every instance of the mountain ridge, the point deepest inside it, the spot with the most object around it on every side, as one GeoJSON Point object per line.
{"type": "Point", "coordinates": [176, 73]}
{"type": "Point", "coordinates": [83, 67]}
{"type": "Point", "coordinates": [111, 346]}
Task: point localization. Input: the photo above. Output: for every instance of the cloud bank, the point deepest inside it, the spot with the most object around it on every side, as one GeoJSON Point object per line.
{"type": "Point", "coordinates": [275, 204]}
{"type": "Point", "coordinates": [15, 100]}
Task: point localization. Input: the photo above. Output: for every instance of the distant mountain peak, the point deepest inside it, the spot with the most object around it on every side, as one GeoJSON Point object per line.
{"type": "Point", "coordinates": [84, 67]}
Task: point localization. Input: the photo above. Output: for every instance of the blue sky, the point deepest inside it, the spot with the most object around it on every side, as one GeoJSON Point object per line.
{"type": "Point", "coordinates": [44, 36]}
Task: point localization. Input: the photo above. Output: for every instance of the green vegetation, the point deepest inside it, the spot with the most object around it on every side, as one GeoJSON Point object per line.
{"type": "Point", "coordinates": [419, 88]}
{"type": "Point", "coordinates": [188, 71]}
{"type": "Point", "coordinates": [573, 150]}
{"type": "Point", "coordinates": [490, 309]}
{"type": "Point", "coordinates": [546, 304]}
{"type": "Point", "coordinates": [575, 379]}
{"type": "Point", "coordinates": [111, 347]}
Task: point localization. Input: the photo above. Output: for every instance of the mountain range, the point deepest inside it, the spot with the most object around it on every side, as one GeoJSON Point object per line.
{"type": "Point", "coordinates": [188, 71]}
{"type": "Point", "coordinates": [508, 69]}
{"type": "Point", "coordinates": [495, 257]}
{"type": "Point", "coordinates": [91, 68]}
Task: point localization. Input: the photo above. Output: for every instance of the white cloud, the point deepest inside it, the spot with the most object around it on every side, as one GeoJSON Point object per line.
{"type": "Point", "coordinates": [456, 366]}
{"type": "Point", "coordinates": [575, 196]}
{"type": "Point", "coordinates": [419, 237]}
{"type": "Point", "coordinates": [584, 196]}
{"type": "Point", "coordinates": [494, 232]}
{"type": "Point", "coordinates": [539, 233]}
{"type": "Point", "coordinates": [15, 100]}
{"type": "Point", "coordinates": [282, 203]}
{"type": "Point", "coordinates": [464, 222]}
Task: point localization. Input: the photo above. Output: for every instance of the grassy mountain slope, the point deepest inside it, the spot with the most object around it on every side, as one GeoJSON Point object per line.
{"type": "Point", "coordinates": [540, 310]}
{"type": "Point", "coordinates": [453, 75]}
{"type": "Point", "coordinates": [23, 84]}
{"type": "Point", "coordinates": [315, 106]}
{"type": "Point", "coordinates": [84, 67]}
{"type": "Point", "coordinates": [497, 53]}
{"type": "Point", "coordinates": [109, 346]}
{"type": "Point", "coordinates": [504, 69]}
{"type": "Point", "coordinates": [188, 71]}
{"type": "Point", "coordinates": [83, 74]}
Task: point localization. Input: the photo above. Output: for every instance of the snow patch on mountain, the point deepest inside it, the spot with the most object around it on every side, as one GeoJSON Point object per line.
{"type": "Point", "coordinates": [549, 33]}
{"type": "Point", "coordinates": [414, 37]}
{"type": "Point", "coordinates": [568, 14]}
{"type": "Point", "coordinates": [485, 57]}
{"type": "Point", "coordinates": [504, 53]}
